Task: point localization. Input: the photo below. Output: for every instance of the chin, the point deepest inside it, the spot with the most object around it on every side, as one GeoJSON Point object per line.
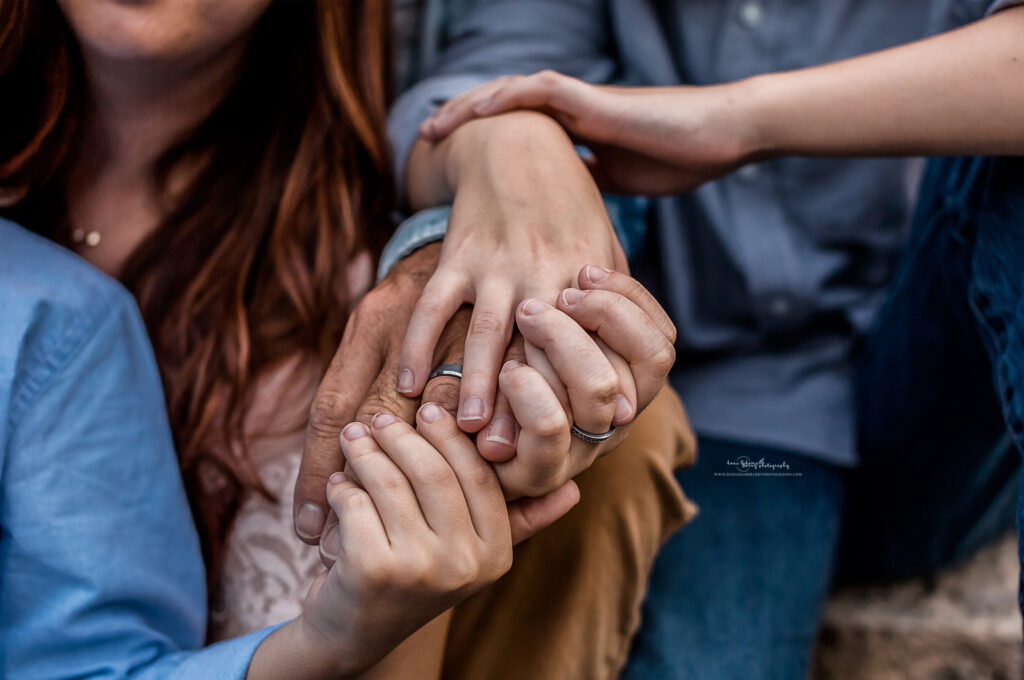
{"type": "Point", "coordinates": [159, 29]}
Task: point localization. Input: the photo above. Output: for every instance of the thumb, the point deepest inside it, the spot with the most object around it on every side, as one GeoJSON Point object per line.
{"type": "Point", "coordinates": [527, 516]}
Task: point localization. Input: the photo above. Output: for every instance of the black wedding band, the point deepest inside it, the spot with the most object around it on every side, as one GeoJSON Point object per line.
{"type": "Point", "coordinates": [590, 437]}
{"type": "Point", "coordinates": [447, 371]}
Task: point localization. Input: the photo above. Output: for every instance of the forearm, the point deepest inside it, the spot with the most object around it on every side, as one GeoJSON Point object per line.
{"type": "Point", "coordinates": [295, 651]}
{"type": "Point", "coordinates": [960, 93]}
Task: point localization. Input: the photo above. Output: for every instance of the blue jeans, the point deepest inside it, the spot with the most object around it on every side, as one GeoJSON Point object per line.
{"type": "Point", "coordinates": [738, 592]}
{"type": "Point", "coordinates": [939, 473]}
{"type": "Point", "coordinates": [940, 385]}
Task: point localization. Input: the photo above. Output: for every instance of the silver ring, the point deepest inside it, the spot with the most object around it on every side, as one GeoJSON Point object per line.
{"type": "Point", "coordinates": [446, 370]}
{"type": "Point", "coordinates": [590, 437]}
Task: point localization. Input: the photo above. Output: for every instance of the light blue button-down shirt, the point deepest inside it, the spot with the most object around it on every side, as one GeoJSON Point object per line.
{"type": "Point", "coordinates": [100, 570]}
{"type": "Point", "coordinates": [771, 273]}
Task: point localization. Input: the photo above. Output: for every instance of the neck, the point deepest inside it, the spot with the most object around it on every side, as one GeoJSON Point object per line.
{"type": "Point", "coordinates": [140, 108]}
{"type": "Point", "coordinates": [138, 111]}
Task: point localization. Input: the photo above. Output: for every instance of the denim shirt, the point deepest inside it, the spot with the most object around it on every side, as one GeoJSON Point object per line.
{"type": "Point", "coordinates": [771, 273]}
{"type": "Point", "coordinates": [100, 569]}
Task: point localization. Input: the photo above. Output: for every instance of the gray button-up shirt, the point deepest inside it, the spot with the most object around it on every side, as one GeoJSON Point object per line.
{"type": "Point", "coordinates": [770, 274]}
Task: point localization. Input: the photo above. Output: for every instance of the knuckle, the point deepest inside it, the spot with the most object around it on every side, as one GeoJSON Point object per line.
{"type": "Point", "coordinates": [351, 501]}
{"type": "Point", "coordinates": [670, 331]}
{"type": "Point", "coordinates": [430, 305]}
{"type": "Point", "coordinates": [444, 392]}
{"type": "Point", "coordinates": [389, 480]}
{"type": "Point", "coordinates": [550, 424]}
{"type": "Point", "coordinates": [481, 478]}
{"type": "Point", "coordinates": [436, 474]}
{"type": "Point", "coordinates": [417, 569]}
{"type": "Point", "coordinates": [380, 399]}
{"type": "Point", "coordinates": [663, 358]}
{"type": "Point", "coordinates": [604, 387]}
{"type": "Point", "coordinates": [463, 568]}
{"type": "Point", "coordinates": [328, 413]}
{"type": "Point", "coordinates": [374, 569]}
{"type": "Point", "coordinates": [501, 562]}
{"type": "Point", "coordinates": [488, 323]}
{"type": "Point", "coordinates": [518, 378]}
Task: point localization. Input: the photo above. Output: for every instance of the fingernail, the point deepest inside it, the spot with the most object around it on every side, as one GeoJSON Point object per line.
{"type": "Point", "coordinates": [503, 431]}
{"type": "Point", "coordinates": [338, 478]}
{"type": "Point", "coordinates": [533, 306]}
{"type": "Point", "coordinates": [309, 520]}
{"type": "Point", "coordinates": [405, 381]}
{"type": "Point", "coordinates": [571, 296]}
{"type": "Point", "coordinates": [354, 431]}
{"type": "Point", "coordinates": [431, 412]}
{"type": "Point", "coordinates": [330, 546]}
{"type": "Point", "coordinates": [472, 409]}
{"type": "Point", "coordinates": [383, 419]}
{"type": "Point", "coordinates": [510, 364]}
{"type": "Point", "coordinates": [597, 274]}
{"type": "Point", "coordinates": [623, 410]}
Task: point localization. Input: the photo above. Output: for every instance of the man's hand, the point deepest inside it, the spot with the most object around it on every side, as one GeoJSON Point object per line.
{"type": "Point", "coordinates": [360, 382]}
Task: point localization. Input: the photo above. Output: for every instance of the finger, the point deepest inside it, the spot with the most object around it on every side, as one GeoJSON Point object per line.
{"type": "Point", "coordinates": [543, 443]}
{"type": "Point", "coordinates": [527, 516]}
{"type": "Point", "coordinates": [538, 360]}
{"type": "Point", "coordinates": [594, 277]}
{"type": "Point", "coordinates": [431, 477]}
{"type": "Point", "coordinates": [628, 331]}
{"type": "Point", "coordinates": [390, 490]}
{"type": "Point", "coordinates": [625, 403]}
{"type": "Point", "coordinates": [475, 478]}
{"type": "Point", "coordinates": [383, 394]}
{"type": "Point", "coordinates": [489, 335]}
{"type": "Point", "coordinates": [546, 90]}
{"type": "Point", "coordinates": [441, 298]}
{"type": "Point", "coordinates": [352, 371]}
{"type": "Point", "coordinates": [590, 380]}
{"type": "Point", "coordinates": [458, 110]}
{"type": "Point", "coordinates": [497, 441]}
{"type": "Point", "coordinates": [444, 390]}
{"type": "Point", "coordinates": [358, 525]}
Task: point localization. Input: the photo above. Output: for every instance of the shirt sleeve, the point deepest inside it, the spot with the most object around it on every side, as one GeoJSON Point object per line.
{"type": "Point", "coordinates": [99, 559]}
{"type": "Point", "coordinates": [503, 37]}
{"type": "Point", "coordinates": [1003, 4]}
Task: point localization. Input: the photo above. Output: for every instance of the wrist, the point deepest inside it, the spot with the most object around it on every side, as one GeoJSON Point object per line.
{"type": "Point", "coordinates": [764, 123]}
{"type": "Point", "coordinates": [480, 143]}
{"type": "Point", "coordinates": [297, 649]}
{"type": "Point", "coordinates": [324, 653]}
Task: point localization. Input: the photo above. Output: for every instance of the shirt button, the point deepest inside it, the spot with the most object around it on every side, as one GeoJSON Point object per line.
{"type": "Point", "coordinates": [751, 14]}
{"type": "Point", "coordinates": [780, 307]}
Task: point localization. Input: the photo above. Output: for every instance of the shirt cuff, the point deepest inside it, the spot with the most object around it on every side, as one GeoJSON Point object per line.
{"type": "Point", "coordinates": [227, 660]}
{"type": "Point", "coordinates": [424, 227]}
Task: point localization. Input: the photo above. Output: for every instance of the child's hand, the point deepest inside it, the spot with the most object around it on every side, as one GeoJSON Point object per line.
{"type": "Point", "coordinates": [428, 528]}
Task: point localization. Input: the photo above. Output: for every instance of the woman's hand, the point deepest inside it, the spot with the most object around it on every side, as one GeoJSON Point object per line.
{"type": "Point", "coordinates": [649, 141]}
{"type": "Point", "coordinates": [426, 527]}
{"type": "Point", "coordinates": [595, 360]}
{"type": "Point", "coordinates": [526, 216]}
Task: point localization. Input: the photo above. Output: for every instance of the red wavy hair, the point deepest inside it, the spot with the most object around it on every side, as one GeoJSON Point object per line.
{"type": "Point", "coordinates": [248, 268]}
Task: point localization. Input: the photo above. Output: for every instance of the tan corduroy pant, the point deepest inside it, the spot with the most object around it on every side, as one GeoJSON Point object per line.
{"type": "Point", "coordinates": [570, 605]}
